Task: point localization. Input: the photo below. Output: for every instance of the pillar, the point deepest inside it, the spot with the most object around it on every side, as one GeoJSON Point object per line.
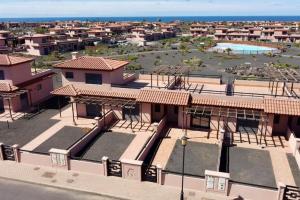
{"type": "Point", "coordinates": [105, 165]}
{"type": "Point", "coordinates": [1, 153]}
{"type": "Point", "coordinates": [16, 150]}
{"type": "Point", "coordinates": [132, 169]}
{"type": "Point", "coordinates": [59, 158]}
{"type": "Point", "coordinates": [159, 174]}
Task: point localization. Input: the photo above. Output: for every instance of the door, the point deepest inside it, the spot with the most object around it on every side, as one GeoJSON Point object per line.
{"type": "Point", "coordinates": [247, 126]}
{"type": "Point", "coordinates": [24, 101]}
{"type": "Point", "coordinates": [135, 113]}
{"type": "Point", "coordinates": [93, 110]}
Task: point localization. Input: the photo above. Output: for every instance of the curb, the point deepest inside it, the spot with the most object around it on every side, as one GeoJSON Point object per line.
{"type": "Point", "coordinates": [65, 188]}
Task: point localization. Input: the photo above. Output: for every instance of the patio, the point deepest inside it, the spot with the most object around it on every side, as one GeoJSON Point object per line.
{"type": "Point", "coordinates": [110, 144]}
{"type": "Point", "coordinates": [200, 144]}
{"type": "Point", "coordinates": [30, 133]}
{"type": "Point", "coordinates": [63, 139]}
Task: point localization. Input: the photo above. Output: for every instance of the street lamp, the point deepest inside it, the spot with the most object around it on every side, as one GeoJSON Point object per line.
{"type": "Point", "coordinates": [183, 143]}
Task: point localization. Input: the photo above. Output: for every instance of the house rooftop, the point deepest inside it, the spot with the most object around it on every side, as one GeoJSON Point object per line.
{"type": "Point", "coordinates": [91, 63]}
{"type": "Point", "coordinates": [8, 60]}
{"type": "Point", "coordinates": [7, 87]}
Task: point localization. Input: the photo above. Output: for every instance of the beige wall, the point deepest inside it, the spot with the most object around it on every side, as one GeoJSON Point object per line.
{"type": "Point", "coordinates": [18, 73]}
{"type": "Point", "coordinates": [108, 77]}
{"type": "Point", "coordinates": [146, 112]}
{"type": "Point", "coordinates": [157, 116]}
{"type": "Point", "coordinates": [249, 192]}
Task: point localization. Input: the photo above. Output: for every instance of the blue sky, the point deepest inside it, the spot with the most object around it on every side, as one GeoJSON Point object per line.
{"type": "Point", "coordinates": [95, 8]}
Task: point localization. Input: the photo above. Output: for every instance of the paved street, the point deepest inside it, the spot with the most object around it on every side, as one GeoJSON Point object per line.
{"type": "Point", "coordinates": [14, 190]}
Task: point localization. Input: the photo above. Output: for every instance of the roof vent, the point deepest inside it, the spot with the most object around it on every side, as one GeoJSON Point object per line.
{"type": "Point", "coordinates": [74, 55]}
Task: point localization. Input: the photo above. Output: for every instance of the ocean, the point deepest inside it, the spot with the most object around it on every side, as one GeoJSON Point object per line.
{"type": "Point", "coordinates": [158, 18]}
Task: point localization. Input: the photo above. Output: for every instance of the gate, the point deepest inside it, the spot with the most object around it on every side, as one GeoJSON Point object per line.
{"type": "Point", "coordinates": [291, 193]}
{"type": "Point", "coordinates": [149, 173]}
{"type": "Point", "coordinates": [8, 153]}
{"type": "Point", "coordinates": [114, 168]}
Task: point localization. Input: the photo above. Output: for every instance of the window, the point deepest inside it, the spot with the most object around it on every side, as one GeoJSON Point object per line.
{"type": "Point", "coordinates": [93, 79]}
{"type": "Point", "coordinates": [276, 119]}
{"type": "Point", "coordinates": [2, 75]}
{"type": "Point", "coordinates": [200, 122]}
{"type": "Point", "coordinates": [69, 75]}
{"type": "Point", "coordinates": [39, 87]}
{"type": "Point", "coordinates": [157, 108]}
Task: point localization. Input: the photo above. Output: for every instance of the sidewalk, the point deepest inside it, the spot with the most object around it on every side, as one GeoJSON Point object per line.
{"type": "Point", "coordinates": [105, 186]}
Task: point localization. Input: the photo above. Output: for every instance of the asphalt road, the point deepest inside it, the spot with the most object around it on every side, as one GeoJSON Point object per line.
{"type": "Point", "coordinates": [14, 190]}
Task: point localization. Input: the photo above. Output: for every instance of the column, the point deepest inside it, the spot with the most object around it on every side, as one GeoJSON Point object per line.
{"type": "Point", "coordinates": [105, 165]}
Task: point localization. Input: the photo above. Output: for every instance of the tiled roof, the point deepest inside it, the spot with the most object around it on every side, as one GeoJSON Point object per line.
{"type": "Point", "coordinates": [7, 60]}
{"type": "Point", "coordinates": [7, 87]}
{"type": "Point", "coordinates": [90, 90]}
{"type": "Point", "coordinates": [226, 101]}
{"type": "Point", "coordinates": [67, 90]}
{"type": "Point", "coordinates": [92, 63]}
{"type": "Point", "coordinates": [164, 97]}
{"type": "Point", "coordinates": [282, 106]}
{"type": "Point", "coordinates": [106, 92]}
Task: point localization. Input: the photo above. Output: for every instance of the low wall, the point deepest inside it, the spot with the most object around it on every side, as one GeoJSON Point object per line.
{"type": "Point", "coordinates": [109, 118]}
{"type": "Point", "coordinates": [216, 81]}
{"type": "Point", "coordinates": [88, 167]}
{"type": "Point", "coordinates": [297, 157]}
{"type": "Point", "coordinates": [155, 136]}
{"type": "Point", "coordinates": [129, 78]}
{"type": "Point", "coordinates": [193, 183]}
{"type": "Point", "coordinates": [251, 192]}
{"type": "Point", "coordinates": [35, 159]}
{"type": "Point", "coordinates": [251, 83]}
{"type": "Point", "coordinates": [84, 141]}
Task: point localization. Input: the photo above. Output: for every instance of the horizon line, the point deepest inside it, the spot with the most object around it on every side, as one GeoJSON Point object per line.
{"type": "Point", "coordinates": [154, 16]}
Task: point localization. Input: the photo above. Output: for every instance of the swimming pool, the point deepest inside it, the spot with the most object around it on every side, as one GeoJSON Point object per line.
{"type": "Point", "coordinates": [243, 48]}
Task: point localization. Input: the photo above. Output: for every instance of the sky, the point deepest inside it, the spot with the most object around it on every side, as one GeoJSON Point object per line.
{"type": "Point", "coordinates": [111, 8]}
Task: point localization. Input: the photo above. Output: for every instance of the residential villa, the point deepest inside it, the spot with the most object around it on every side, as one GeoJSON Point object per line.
{"type": "Point", "coordinates": [260, 32]}
{"type": "Point", "coordinates": [42, 44]}
{"type": "Point", "coordinates": [22, 87]}
{"type": "Point", "coordinates": [39, 44]}
{"type": "Point", "coordinates": [264, 122]}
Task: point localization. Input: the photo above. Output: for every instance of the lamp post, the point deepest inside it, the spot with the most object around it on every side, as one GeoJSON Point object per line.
{"type": "Point", "coordinates": [183, 143]}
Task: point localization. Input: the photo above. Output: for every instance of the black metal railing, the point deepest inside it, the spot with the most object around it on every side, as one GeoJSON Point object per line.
{"type": "Point", "coordinates": [149, 173]}
{"type": "Point", "coordinates": [8, 153]}
{"type": "Point", "coordinates": [291, 193]}
{"type": "Point", "coordinates": [114, 168]}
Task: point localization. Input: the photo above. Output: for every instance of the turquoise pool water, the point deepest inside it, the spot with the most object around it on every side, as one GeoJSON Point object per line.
{"type": "Point", "coordinates": [243, 48]}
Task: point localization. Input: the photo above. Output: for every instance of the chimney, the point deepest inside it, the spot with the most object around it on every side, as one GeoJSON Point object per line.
{"type": "Point", "coordinates": [74, 55]}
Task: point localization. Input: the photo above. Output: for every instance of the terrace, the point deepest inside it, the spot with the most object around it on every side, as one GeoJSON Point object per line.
{"type": "Point", "coordinates": [54, 128]}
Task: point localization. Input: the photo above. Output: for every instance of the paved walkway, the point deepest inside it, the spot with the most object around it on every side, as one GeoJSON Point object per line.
{"type": "Point", "coordinates": [281, 167]}
{"type": "Point", "coordinates": [107, 186]}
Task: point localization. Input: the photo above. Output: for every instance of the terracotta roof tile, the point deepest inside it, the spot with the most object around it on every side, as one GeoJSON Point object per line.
{"type": "Point", "coordinates": [92, 63]}
{"type": "Point", "coordinates": [67, 90]}
{"type": "Point", "coordinates": [226, 101]}
{"type": "Point", "coordinates": [8, 60]}
{"type": "Point", "coordinates": [7, 87]}
{"type": "Point", "coordinates": [91, 90]}
{"type": "Point", "coordinates": [282, 106]}
{"type": "Point", "coordinates": [164, 97]}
